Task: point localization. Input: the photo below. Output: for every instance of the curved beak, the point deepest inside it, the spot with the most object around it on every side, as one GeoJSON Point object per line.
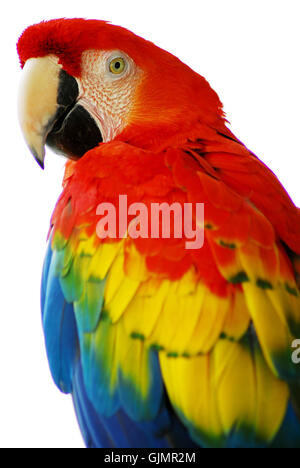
{"type": "Point", "coordinates": [51, 111]}
{"type": "Point", "coordinates": [37, 103]}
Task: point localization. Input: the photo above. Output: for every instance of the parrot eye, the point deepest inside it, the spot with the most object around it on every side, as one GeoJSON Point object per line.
{"type": "Point", "coordinates": [117, 65]}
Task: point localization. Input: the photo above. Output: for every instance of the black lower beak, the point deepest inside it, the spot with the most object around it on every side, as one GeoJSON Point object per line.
{"type": "Point", "coordinates": [73, 130]}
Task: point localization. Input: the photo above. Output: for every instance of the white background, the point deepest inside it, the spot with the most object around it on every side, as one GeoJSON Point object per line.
{"type": "Point", "coordinates": [248, 50]}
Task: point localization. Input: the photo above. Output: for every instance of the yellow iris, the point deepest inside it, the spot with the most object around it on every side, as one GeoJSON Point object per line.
{"type": "Point", "coordinates": [117, 65]}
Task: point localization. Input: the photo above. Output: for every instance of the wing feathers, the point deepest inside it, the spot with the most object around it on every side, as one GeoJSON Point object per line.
{"type": "Point", "coordinates": [213, 326]}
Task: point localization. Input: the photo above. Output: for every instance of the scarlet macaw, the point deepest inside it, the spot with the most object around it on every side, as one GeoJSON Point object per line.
{"type": "Point", "coordinates": [160, 345]}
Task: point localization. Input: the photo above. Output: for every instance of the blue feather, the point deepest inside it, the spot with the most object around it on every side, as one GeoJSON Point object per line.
{"type": "Point", "coordinates": [92, 430]}
{"type": "Point", "coordinates": [289, 433]}
{"type": "Point", "coordinates": [45, 274]}
{"type": "Point", "coordinates": [137, 407]}
{"type": "Point", "coordinates": [165, 431]}
{"type": "Point", "coordinates": [59, 329]}
{"type": "Point", "coordinates": [89, 307]}
{"type": "Point", "coordinates": [98, 370]}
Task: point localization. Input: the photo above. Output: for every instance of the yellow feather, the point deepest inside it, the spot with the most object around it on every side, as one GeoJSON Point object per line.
{"type": "Point", "coordinates": [210, 323]}
{"type": "Point", "coordinates": [189, 385]}
{"type": "Point", "coordinates": [286, 304]}
{"type": "Point", "coordinates": [177, 320]}
{"type": "Point", "coordinates": [133, 360]}
{"type": "Point", "coordinates": [231, 389]}
{"type": "Point", "coordinates": [145, 308]}
{"type": "Point", "coordinates": [237, 318]}
{"type": "Point", "coordinates": [119, 292]}
{"type": "Point", "coordinates": [234, 382]}
{"type": "Point", "coordinates": [135, 264]}
{"type": "Point", "coordinates": [104, 257]}
{"type": "Point", "coordinates": [272, 331]}
{"type": "Point", "coordinates": [265, 302]}
{"type": "Point", "coordinates": [272, 399]}
{"type": "Point", "coordinates": [86, 245]}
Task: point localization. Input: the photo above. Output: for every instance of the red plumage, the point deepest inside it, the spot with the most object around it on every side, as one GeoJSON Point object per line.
{"type": "Point", "coordinates": [237, 295]}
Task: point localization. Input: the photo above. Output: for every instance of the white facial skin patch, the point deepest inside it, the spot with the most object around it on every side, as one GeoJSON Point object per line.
{"type": "Point", "coordinates": [107, 88]}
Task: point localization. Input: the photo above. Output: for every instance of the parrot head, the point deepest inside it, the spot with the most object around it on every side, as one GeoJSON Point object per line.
{"type": "Point", "coordinates": [87, 81]}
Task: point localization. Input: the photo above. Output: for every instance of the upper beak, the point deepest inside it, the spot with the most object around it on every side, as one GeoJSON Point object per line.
{"type": "Point", "coordinates": [51, 111]}
{"type": "Point", "coordinates": [44, 96]}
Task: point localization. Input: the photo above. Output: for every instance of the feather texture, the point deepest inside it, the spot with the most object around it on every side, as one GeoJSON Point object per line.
{"type": "Point", "coordinates": [160, 345]}
{"type": "Point", "coordinates": [223, 320]}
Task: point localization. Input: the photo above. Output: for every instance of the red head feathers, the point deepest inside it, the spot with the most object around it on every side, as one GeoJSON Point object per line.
{"type": "Point", "coordinates": [172, 95]}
